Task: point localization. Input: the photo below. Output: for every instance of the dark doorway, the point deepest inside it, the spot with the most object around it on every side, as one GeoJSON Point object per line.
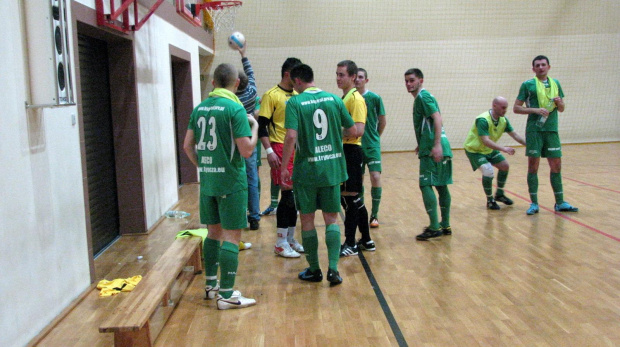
{"type": "Point", "coordinates": [98, 142]}
{"type": "Point", "coordinates": [183, 106]}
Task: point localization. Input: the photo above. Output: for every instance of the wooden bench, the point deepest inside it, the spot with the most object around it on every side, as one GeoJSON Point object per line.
{"type": "Point", "coordinates": [140, 317]}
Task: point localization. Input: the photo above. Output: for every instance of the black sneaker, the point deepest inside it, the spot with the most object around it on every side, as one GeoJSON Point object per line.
{"type": "Point", "coordinates": [311, 276]}
{"type": "Point", "coordinates": [254, 224]}
{"type": "Point", "coordinates": [492, 205]}
{"type": "Point", "coordinates": [503, 199]}
{"type": "Point", "coordinates": [366, 246]}
{"type": "Point", "coordinates": [347, 251]}
{"type": "Point", "coordinates": [428, 234]}
{"type": "Point", "coordinates": [333, 277]}
{"type": "Point", "coordinates": [446, 231]}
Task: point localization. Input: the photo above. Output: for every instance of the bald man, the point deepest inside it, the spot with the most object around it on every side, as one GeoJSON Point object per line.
{"type": "Point", "coordinates": [483, 151]}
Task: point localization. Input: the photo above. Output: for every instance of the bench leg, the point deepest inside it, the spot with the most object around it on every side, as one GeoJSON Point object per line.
{"type": "Point", "coordinates": [140, 338]}
{"type": "Point", "coordinates": [196, 260]}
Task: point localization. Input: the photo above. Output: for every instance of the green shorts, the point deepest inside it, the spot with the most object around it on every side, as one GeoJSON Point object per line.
{"type": "Point", "coordinates": [476, 159]}
{"type": "Point", "coordinates": [308, 199]}
{"type": "Point", "coordinates": [229, 210]}
{"type": "Point", "coordinates": [435, 174]}
{"type": "Point", "coordinates": [372, 159]}
{"type": "Point", "coordinates": [544, 144]}
{"type": "Point", "coordinates": [259, 161]}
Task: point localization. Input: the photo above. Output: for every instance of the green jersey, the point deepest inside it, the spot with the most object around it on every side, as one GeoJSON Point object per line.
{"type": "Point", "coordinates": [318, 118]}
{"type": "Point", "coordinates": [216, 123]}
{"type": "Point", "coordinates": [374, 107]}
{"type": "Point", "coordinates": [424, 106]}
{"type": "Point", "coordinates": [527, 94]}
{"type": "Point", "coordinates": [486, 126]}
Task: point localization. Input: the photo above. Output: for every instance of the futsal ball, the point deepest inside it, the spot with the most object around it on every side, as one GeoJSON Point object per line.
{"type": "Point", "coordinates": [236, 40]}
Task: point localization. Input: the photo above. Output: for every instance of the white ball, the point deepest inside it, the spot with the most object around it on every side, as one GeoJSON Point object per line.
{"type": "Point", "coordinates": [236, 40]}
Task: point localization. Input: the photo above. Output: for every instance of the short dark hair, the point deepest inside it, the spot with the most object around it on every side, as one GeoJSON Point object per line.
{"type": "Point", "coordinates": [350, 65]}
{"type": "Point", "coordinates": [362, 70]}
{"type": "Point", "coordinates": [303, 72]}
{"type": "Point", "coordinates": [289, 64]}
{"type": "Point", "coordinates": [243, 81]}
{"type": "Point", "coordinates": [540, 57]}
{"type": "Point", "coordinates": [225, 75]}
{"type": "Point", "coordinates": [415, 71]}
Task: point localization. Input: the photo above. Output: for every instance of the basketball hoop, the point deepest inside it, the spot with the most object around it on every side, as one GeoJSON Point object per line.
{"type": "Point", "coordinates": [219, 14]}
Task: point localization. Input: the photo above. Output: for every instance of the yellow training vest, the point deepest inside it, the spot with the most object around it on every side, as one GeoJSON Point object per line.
{"type": "Point", "coordinates": [473, 143]}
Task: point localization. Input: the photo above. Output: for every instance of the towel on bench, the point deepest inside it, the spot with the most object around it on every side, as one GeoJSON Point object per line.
{"type": "Point", "coordinates": [113, 287]}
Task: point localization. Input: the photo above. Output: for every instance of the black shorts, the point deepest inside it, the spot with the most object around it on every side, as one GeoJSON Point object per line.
{"type": "Point", "coordinates": [355, 159]}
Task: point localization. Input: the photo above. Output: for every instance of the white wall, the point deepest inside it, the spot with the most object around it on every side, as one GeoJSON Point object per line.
{"type": "Point", "coordinates": [44, 257]}
{"type": "Point", "coordinates": [469, 52]}
{"type": "Point", "coordinates": [155, 103]}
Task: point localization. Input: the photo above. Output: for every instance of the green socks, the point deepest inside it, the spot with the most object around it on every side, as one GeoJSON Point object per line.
{"type": "Point", "coordinates": [532, 187]}
{"type": "Point", "coordinates": [375, 193]}
{"type": "Point", "coordinates": [310, 241]}
{"type": "Point", "coordinates": [229, 261]}
{"type": "Point", "coordinates": [430, 203]}
{"type": "Point", "coordinates": [445, 200]}
{"type": "Point", "coordinates": [556, 184]}
{"type": "Point", "coordinates": [502, 176]}
{"type": "Point", "coordinates": [332, 240]}
{"type": "Point", "coordinates": [487, 185]}
{"type": "Point", "coordinates": [211, 254]}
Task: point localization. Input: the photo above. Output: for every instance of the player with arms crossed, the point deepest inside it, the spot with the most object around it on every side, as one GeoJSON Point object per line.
{"type": "Point", "coordinates": [541, 98]}
{"type": "Point", "coordinates": [271, 133]}
{"type": "Point", "coordinates": [483, 151]}
{"type": "Point", "coordinates": [314, 120]}
{"type": "Point", "coordinates": [434, 153]}
{"type": "Point", "coordinates": [217, 139]}
{"type": "Point", "coordinates": [356, 213]}
{"type": "Point", "coordinates": [371, 142]}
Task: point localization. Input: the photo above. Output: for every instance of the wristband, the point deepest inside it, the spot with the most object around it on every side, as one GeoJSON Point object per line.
{"type": "Point", "coordinates": [269, 150]}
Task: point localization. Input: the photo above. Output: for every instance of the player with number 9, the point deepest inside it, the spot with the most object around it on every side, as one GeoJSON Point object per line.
{"type": "Point", "coordinates": [313, 121]}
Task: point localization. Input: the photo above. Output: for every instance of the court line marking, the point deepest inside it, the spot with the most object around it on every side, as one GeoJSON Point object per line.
{"type": "Point", "coordinates": [384, 305]}
{"type": "Point", "coordinates": [559, 214]}
{"type": "Point", "coordinates": [591, 185]}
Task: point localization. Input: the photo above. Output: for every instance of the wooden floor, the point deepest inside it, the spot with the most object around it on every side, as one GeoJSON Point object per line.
{"type": "Point", "coordinates": [502, 279]}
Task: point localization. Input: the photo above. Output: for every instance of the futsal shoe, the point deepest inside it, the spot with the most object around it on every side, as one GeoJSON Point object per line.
{"type": "Point", "coordinates": [374, 222]}
{"type": "Point", "coordinates": [533, 209]}
{"type": "Point", "coordinates": [269, 211]}
{"type": "Point", "coordinates": [429, 234]}
{"type": "Point", "coordinates": [503, 199]}
{"type": "Point", "coordinates": [235, 301]}
{"type": "Point", "coordinates": [366, 246]}
{"type": "Point", "coordinates": [333, 277]}
{"type": "Point", "coordinates": [565, 207]}
{"type": "Point", "coordinates": [492, 205]}
{"type": "Point", "coordinates": [296, 246]}
{"type": "Point", "coordinates": [446, 231]}
{"type": "Point", "coordinates": [311, 276]}
{"type": "Point", "coordinates": [254, 224]}
{"type": "Point", "coordinates": [285, 250]}
{"type": "Point", "coordinates": [211, 292]}
{"type": "Point", "coordinates": [244, 245]}
{"type": "Point", "coordinates": [347, 251]}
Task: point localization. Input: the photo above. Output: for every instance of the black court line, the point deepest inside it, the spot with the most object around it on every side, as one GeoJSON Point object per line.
{"type": "Point", "coordinates": [384, 305]}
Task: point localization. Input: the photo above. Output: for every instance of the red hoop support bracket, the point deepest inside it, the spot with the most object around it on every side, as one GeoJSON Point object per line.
{"type": "Point", "coordinates": [118, 19]}
{"type": "Point", "coordinates": [214, 5]}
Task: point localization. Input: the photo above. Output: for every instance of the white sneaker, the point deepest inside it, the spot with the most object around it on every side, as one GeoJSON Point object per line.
{"type": "Point", "coordinates": [211, 292]}
{"type": "Point", "coordinates": [285, 250]}
{"type": "Point", "coordinates": [235, 301]}
{"type": "Point", "coordinates": [244, 245]}
{"type": "Point", "coordinates": [296, 246]}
